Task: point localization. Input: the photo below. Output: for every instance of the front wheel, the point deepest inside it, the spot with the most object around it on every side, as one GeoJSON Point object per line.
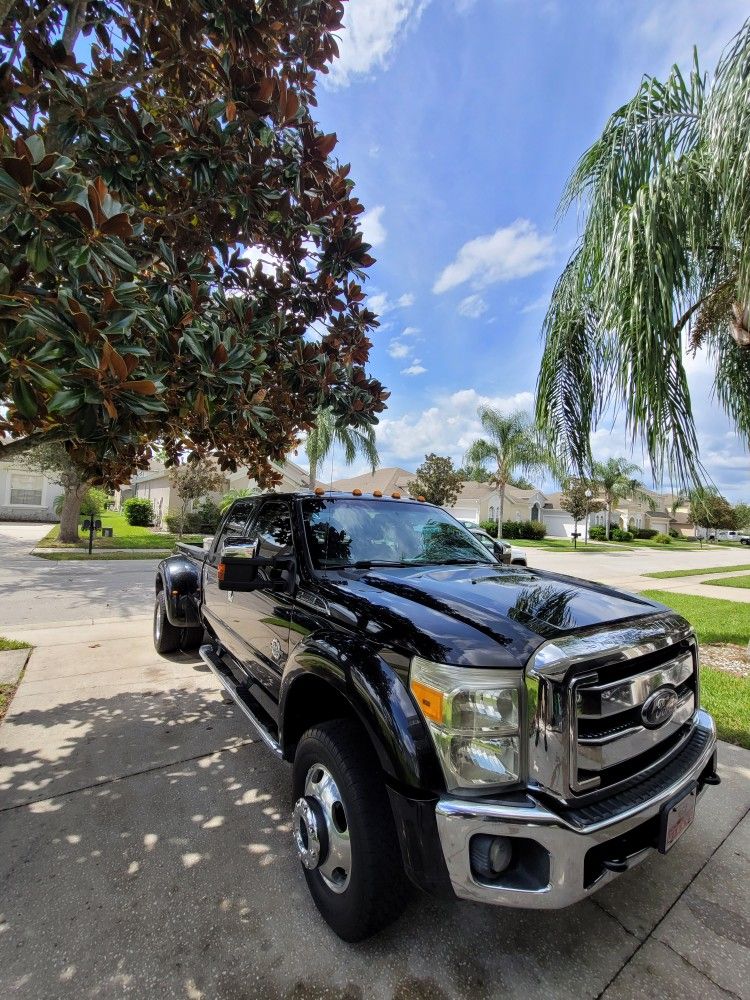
{"type": "Point", "coordinates": [344, 831]}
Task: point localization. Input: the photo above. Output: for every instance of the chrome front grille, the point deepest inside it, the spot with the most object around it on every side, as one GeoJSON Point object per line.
{"type": "Point", "coordinates": [588, 729]}
{"type": "Point", "coordinates": [608, 728]}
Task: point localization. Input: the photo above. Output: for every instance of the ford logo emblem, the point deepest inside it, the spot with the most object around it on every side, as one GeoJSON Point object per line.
{"type": "Point", "coordinates": [659, 707]}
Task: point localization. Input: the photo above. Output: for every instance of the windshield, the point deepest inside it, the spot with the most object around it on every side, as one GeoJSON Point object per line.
{"type": "Point", "coordinates": [342, 532]}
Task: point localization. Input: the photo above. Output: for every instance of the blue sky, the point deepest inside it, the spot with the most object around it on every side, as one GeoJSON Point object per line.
{"type": "Point", "coordinates": [462, 121]}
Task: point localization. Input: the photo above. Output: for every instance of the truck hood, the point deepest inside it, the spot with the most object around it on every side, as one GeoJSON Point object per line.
{"type": "Point", "coordinates": [481, 615]}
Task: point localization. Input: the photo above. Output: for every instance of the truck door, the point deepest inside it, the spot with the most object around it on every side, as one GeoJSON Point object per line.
{"type": "Point", "coordinates": [218, 605]}
{"type": "Point", "coordinates": [263, 616]}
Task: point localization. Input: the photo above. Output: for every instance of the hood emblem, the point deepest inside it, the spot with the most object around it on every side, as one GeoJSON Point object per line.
{"type": "Point", "coordinates": [659, 707]}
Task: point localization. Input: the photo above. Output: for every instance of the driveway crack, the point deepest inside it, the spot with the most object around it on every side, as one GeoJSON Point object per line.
{"type": "Point", "coordinates": [669, 910]}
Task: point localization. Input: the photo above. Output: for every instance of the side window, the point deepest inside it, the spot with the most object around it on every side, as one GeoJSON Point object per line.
{"type": "Point", "coordinates": [273, 526]}
{"type": "Point", "coordinates": [235, 523]}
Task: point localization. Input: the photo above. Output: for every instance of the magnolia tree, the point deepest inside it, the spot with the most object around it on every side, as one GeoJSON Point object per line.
{"type": "Point", "coordinates": [173, 228]}
{"type": "Point", "coordinates": [437, 481]}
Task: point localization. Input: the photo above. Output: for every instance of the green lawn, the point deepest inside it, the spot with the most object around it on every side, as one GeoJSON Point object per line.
{"type": "Point", "coordinates": [102, 554]}
{"type": "Point", "coordinates": [727, 698]}
{"type": "Point", "coordinates": [731, 581]}
{"type": "Point", "coordinates": [669, 574]}
{"type": "Point", "coordinates": [562, 545]}
{"type": "Point", "coordinates": [714, 620]}
{"type": "Point", "coordinates": [125, 536]}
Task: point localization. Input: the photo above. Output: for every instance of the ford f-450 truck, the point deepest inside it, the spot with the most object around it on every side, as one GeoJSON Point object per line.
{"type": "Point", "coordinates": [493, 732]}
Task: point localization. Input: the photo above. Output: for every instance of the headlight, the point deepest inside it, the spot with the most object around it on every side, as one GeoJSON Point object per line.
{"type": "Point", "coordinates": [473, 718]}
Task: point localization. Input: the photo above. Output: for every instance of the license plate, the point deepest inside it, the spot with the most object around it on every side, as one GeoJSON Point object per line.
{"type": "Point", "coordinates": [676, 817]}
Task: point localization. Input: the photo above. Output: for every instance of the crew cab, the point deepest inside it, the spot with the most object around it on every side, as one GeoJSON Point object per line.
{"type": "Point", "coordinates": [497, 733]}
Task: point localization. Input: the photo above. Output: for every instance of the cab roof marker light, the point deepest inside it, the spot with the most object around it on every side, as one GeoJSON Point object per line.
{"type": "Point", "coordinates": [377, 493]}
{"type": "Point", "coordinates": [396, 495]}
{"type": "Point", "coordinates": [319, 491]}
{"type": "Point", "coordinates": [356, 493]}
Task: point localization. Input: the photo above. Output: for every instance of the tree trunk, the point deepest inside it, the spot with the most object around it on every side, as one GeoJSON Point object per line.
{"type": "Point", "coordinates": [608, 516]}
{"type": "Point", "coordinates": [313, 473]}
{"type": "Point", "coordinates": [70, 513]}
{"type": "Point", "coordinates": [502, 509]}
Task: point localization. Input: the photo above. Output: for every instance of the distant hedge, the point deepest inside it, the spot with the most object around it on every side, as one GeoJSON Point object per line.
{"type": "Point", "coordinates": [524, 529]}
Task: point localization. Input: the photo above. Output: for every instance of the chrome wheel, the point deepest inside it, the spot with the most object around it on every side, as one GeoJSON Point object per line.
{"type": "Point", "coordinates": [157, 624]}
{"type": "Point", "coordinates": [321, 829]}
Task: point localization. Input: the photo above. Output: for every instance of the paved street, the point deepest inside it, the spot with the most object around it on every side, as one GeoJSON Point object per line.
{"type": "Point", "coordinates": [146, 852]}
{"type": "Point", "coordinates": [34, 590]}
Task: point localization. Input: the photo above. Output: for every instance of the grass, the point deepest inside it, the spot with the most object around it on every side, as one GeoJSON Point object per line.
{"type": "Point", "coordinates": [8, 690]}
{"type": "Point", "coordinates": [125, 536]}
{"type": "Point", "coordinates": [103, 554]}
{"type": "Point", "coordinates": [714, 620]}
{"type": "Point", "coordinates": [6, 644]}
{"type": "Point", "coordinates": [727, 698]}
{"type": "Point", "coordinates": [670, 574]}
{"type": "Point", "coordinates": [561, 545]}
{"type": "Point", "coordinates": [743, 582]}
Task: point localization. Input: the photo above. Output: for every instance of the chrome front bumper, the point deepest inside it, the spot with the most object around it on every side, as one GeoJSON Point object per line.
{"type": "Point", "coordinates": [558, 848]}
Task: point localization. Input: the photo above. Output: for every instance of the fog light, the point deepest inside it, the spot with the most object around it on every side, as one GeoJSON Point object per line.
{"type": "Point", "coordinates": [490, 856]}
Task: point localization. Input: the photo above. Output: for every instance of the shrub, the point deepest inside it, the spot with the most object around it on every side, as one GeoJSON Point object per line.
{"type": "Point", "coordinates": [674, 533]}
{"type": "Point", "coordinates": [597, 532]}
{"type": "Point", "coordinates": [210, 515]}
{"type": "Point", "coordinates": [490, 527]}
{"type": "Point", "coordinates": [662, 539]}
{"type": "Point", "coordinates": [619, 535]}
{"type": "Point", "coordinates": [645, 533]}
{"type": "Point", "coordinates": [188, 523]}
{"type": "Point", "coordinates": [139, 512]}
{"type": "Point", "coordinates": [524, 529]}
{"type": "Point", "coordinates": [533, 529]}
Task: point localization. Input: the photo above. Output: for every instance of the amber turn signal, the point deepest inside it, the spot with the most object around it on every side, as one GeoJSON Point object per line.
{"type": "Point", "coordinates": [396, 496]}
{"type": "Point", "coordinates": [377, 493]}
{"type": "Point", "coordinates": [319, 491]}
{"type": "Point", "coordinates": [356, 493]}
{"type": "Point", "coordinates": [221, 570]}
{"type": "Point", "coordinates": [430, 701]}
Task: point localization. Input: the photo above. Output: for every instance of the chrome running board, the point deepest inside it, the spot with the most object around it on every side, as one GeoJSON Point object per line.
{"type": "Point", "coordinates": [214, 661]}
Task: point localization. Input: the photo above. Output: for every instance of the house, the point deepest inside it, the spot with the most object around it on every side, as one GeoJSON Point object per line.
{"type": "Point", "coordinates": [481, 502]}
{"type": "Point", "coordinates": [390, 479]}
{"type": "Point", "coordinates": [26, 495]}
{"type": "Point", "coordinates": [155, 485]}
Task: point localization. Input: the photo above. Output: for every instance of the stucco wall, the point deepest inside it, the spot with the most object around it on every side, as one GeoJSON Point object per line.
{"type": "Point", "coordinates": [44, 511]}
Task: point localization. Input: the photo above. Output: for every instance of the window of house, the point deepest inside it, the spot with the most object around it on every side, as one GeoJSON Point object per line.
{"type": "Point", "coordinates": [26, 489]}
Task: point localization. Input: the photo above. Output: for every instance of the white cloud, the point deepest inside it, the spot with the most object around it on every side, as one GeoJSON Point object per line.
{"type": "Point", "coordinates": [472, 306]}
{"type": "Point", "coordinates": [415, 368]}
{"type": "Point", "coordinates": [671, 30]}
{"type": "Point", "coordinates": [410, 331]}
{"type": "Point", "coordinates": [372, 31]}
{"type": "Point", "coordinates": [381, 304]}
{"type": "Point", "coordinates": [513, 251]}
{"type": "Point", "coordinates": [373, 230]}
{"type": "Point", "coordinates": [447, 428]}
{"type": "Point", "coordinates": [398, 350]}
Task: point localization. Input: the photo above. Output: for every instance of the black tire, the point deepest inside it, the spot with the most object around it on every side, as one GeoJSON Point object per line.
{"type": "Point", "coordinates": [377, 891]}
{"type": "Point", "coordinates": [166, 635]}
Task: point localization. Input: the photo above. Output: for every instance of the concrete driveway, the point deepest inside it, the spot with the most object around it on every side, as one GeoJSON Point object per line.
{"type": "Point", "coordinates": [146, 852]}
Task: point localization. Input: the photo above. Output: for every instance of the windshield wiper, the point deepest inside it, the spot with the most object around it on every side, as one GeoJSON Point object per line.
{"type": "Point", "coordinates": [370, 563]}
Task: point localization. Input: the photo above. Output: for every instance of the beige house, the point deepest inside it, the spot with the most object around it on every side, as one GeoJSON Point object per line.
{"type": "Point", "coordinates": [389, 480]}
{"type": "Point", "coordinates": [481, 502]}
{"type": "Point", "coordinates": [154, 485]}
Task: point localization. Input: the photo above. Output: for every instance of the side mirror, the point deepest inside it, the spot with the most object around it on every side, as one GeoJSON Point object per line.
{"type": "Point", "coordinates": [239, 564]}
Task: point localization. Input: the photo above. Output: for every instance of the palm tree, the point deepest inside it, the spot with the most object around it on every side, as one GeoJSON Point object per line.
{"type": "Point", "coordinates": [231, 495]}
{"type": "Point", "coordinates": [356, 441]}
{"type": "Point", "coordinates": [615, 480]}
{"type": "Point", "coordinates": [513, 445]}
{"type": "Point", "coordinates": [662, 265]}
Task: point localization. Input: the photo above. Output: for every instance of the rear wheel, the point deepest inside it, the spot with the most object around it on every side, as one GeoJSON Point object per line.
{"type": "Point", "coordinates": [344, 831]}
{"type": "Point", "coordinates": [168, 637]}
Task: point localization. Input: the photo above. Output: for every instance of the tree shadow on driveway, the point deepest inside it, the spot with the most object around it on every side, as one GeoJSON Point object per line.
{"type": "Point", "coordinates": [147, 852]}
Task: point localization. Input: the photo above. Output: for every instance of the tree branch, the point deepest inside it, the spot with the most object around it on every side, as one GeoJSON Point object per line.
{"type": "Point", "coordinates": [18, 446]}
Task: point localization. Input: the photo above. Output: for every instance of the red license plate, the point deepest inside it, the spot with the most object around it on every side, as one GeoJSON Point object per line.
{"type": "Point", "coordinates": [676, 817]}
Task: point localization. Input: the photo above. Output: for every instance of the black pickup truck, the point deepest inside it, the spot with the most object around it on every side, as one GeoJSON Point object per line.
{"type": "Point", "coordinates": [497, 733]}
